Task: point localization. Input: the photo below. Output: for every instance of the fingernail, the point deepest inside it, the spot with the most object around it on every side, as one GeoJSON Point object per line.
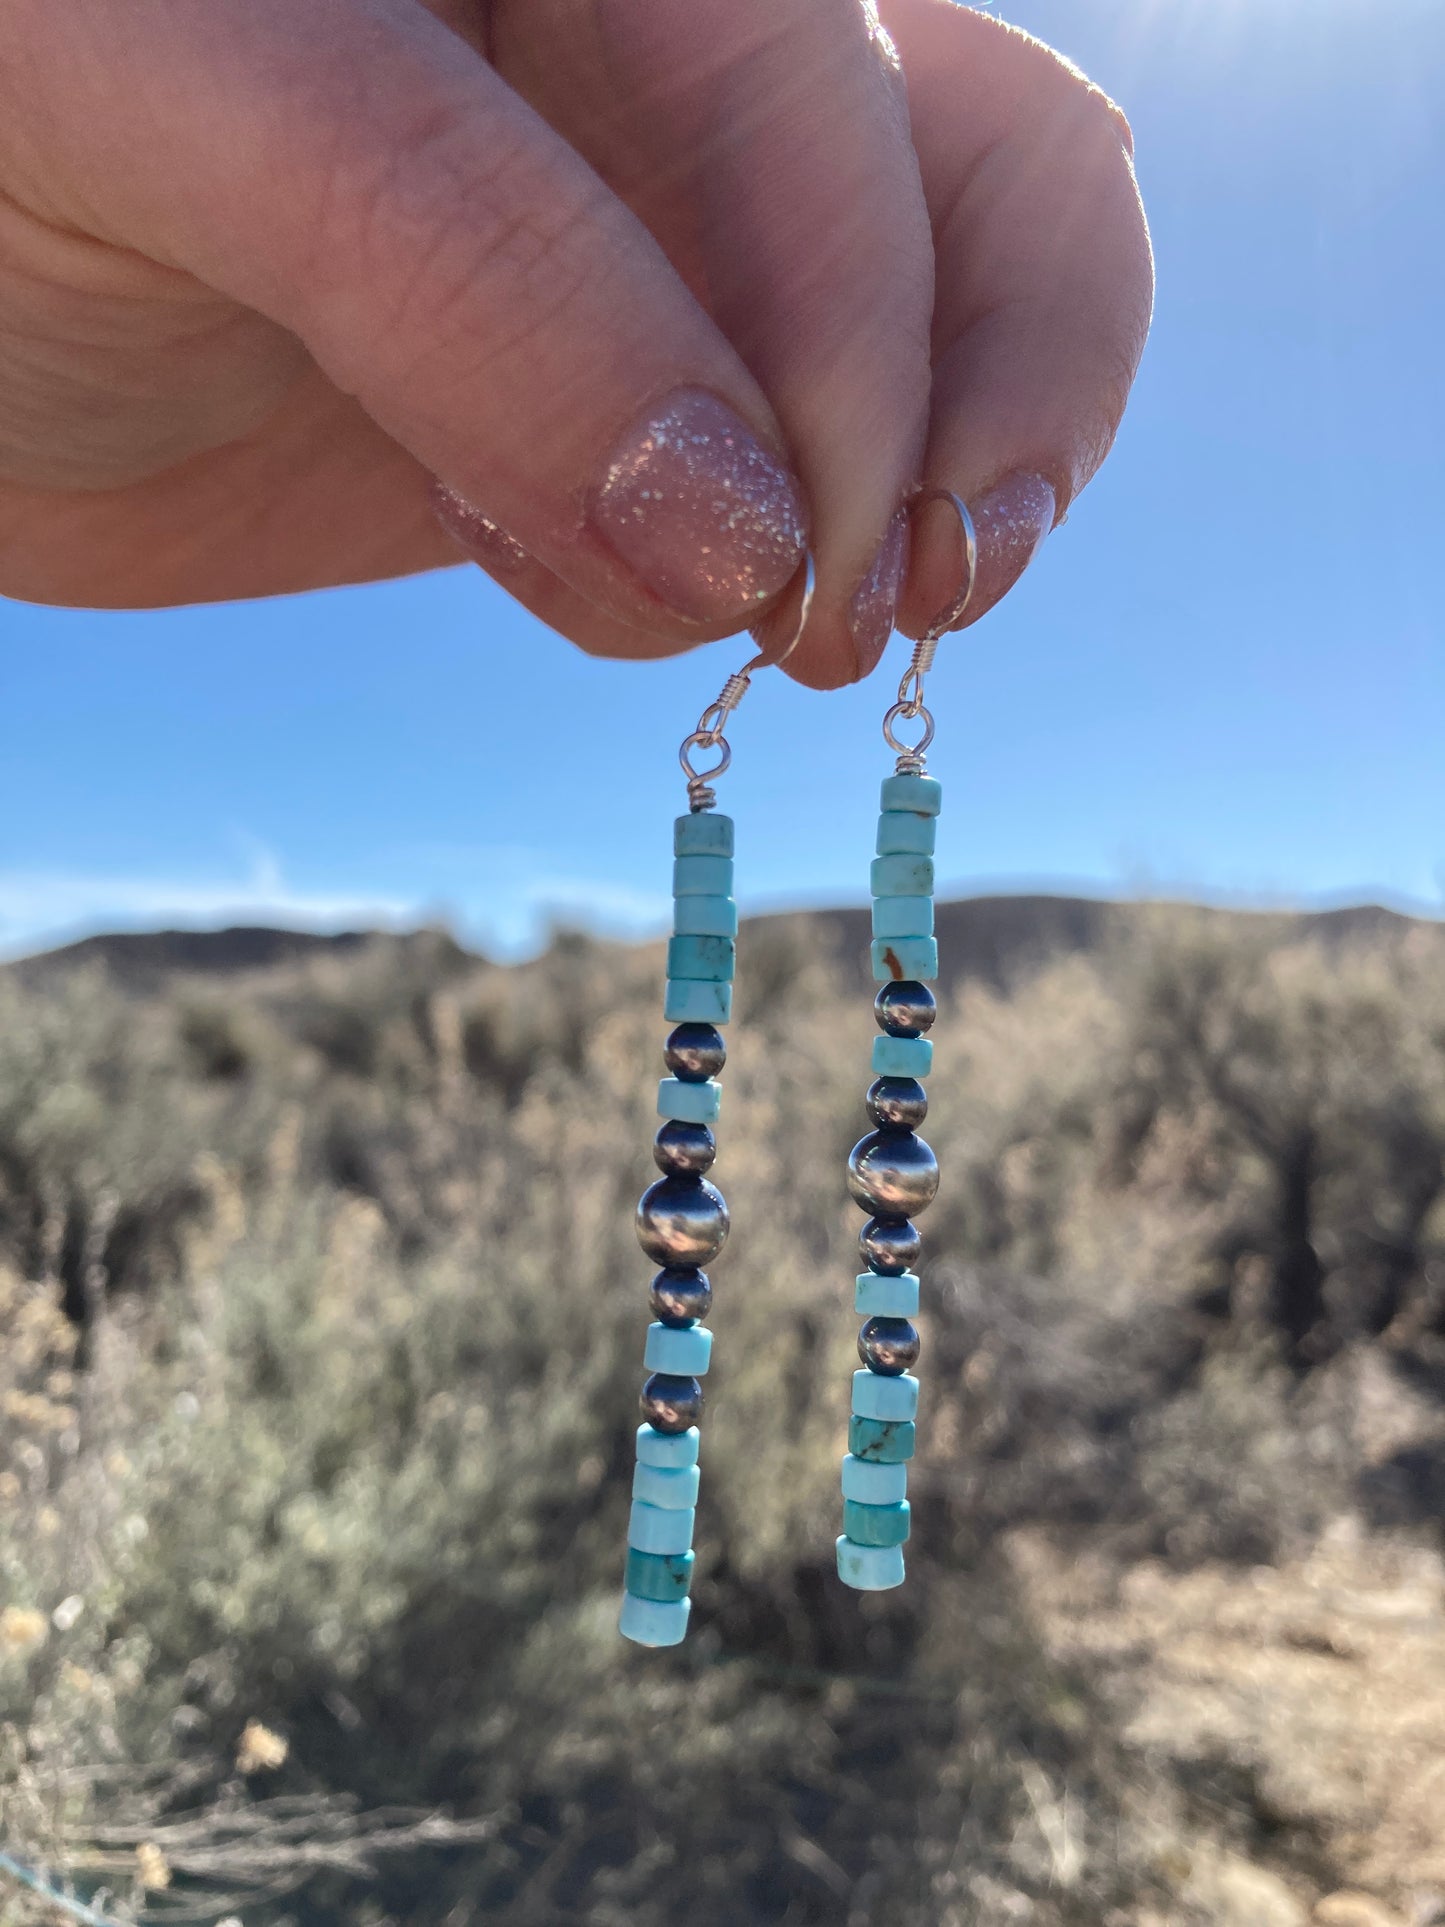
{"type": "Point", "coordinates": [482, 538]}
{"type": "Point", "coordinates": [706, 516]}
{"type": "Point", "coordinates": [875, 600]}
{"type": "Point", "coordinates": [1010, 523]}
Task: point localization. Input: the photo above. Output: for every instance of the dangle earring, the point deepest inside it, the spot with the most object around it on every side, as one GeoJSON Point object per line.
{"type": "Point", "coordinates": [682, 1219]}
{"type": "Point", "coordinates": [892, 1173]}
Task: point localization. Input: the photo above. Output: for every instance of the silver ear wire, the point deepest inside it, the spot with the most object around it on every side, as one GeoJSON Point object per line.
{"type": "Point", "coordinates": [766, 659]}
{"type": "Point", "coordinates": [950, 617]}
{"type": "Point", "coordinates": [713, 720]}
{"type": "Point", "coordinates": [910, 705]}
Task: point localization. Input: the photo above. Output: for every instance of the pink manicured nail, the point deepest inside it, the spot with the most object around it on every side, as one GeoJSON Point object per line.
{"type": "Point", "coordinates": [691, 499]}
{"type": "Point", "coordinates": [477, 533]}
{"type": "Point", "coordinates": [875, 600]}
{"type": "Point", "coordinates": [1011, 522]}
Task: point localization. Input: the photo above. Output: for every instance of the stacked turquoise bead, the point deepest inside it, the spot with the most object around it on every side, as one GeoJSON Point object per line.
{"type": "Point", "coordinates": [892, 1174]}
{"type": "Point", "coordinates": [682, 1223]}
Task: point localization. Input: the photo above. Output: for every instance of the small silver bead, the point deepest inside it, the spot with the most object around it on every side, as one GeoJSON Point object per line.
{"type": "Point", "coordinates": [893, 1174]}
{"type": "Point", "coordinates": [890, 1246]}
{"type": "Point", "coordinates": [680, 1297]}
{"type": "Point", "coordinates": [684, 1150]}
{"type": "Point", "coordinates": [682, 1222]}
{"type": "Point", "coordinates": [695, 1052]}
{"type": "Point", "coordinates": [671, 1404]}
{"type": "Point", "coordinates": [888, 1346]}
{"type": "Point", "coordinates": [897, 1103]}
{"type": "Point", "coordinates": [905, 1009]}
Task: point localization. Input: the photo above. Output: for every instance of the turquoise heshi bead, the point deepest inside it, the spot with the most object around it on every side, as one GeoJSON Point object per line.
{"type": "Point", "coordinates": [653, 1622]}
{"type": "Point", "coordinates": [650, 1528]}
{"type": "Point", "coordinates": [701, 960]}
{"type": "Point", "coordinates": [902, 960]}
{"type": "Point", "coordinates": [870, 1568]}
{"type": "Point", "coordinates": [705, 917]}
{"type": "Point", "coordinates": [682, 1351]}
{"type": "Point", "coordinates": [903, 916]}
{"type": "Point", "coordinates": [657, 1575]}
{"type": "Point", "coordinates": [903, 833]}
{"type": "Point", "coordinates": [673, 1487]}
{"type": "Point", "coordinates": [689, 1103]}
{"type": "Point", "coordinates": [882, 1441]}
{"type": "Point", "coordinates": [875, 1396]}
{"type": "Point", "coordinates": [902, 1056]}
{"type": "Point", "coordinates": [703, 833]}
{"type": "Point", "coordinates": [696, 1003]}
{"type": "Point", "coordinates": [667, 1448]}
{"type": "Point", "coordinates": [923, 794]}
{"type": "Point", "coordinates": [901, 876]}
{"type": "Point", "coordinates": [876, 1525]}
{"type": "Point", "coordinates": [875, 1296]}
{"type": "Point", "coordinates": [873, 1484]}
{"type": "Point", "coordinates": [702, 876]}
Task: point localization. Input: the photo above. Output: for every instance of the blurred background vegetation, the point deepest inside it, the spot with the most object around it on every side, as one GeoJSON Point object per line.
{"type": "Point", "coordinates": [322, 1321]}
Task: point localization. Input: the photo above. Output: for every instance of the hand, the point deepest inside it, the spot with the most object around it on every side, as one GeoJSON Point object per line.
{"type": "Point", "coordinates": [649, 286]}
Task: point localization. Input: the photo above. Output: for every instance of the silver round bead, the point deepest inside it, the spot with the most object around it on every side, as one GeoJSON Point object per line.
{"type": "Point", "coordinates": [897, 1103]}
{"type": "Point", "coordinates": [695, 1052]}
{"type": "Point", "coordinates": [681, 1297]}
{"type": "Point", "coordinates": [890, 1245]}
{"type": "Point", "coordinates": [671, 1404]}
{"type": "Point", "coordinates": [682, 1222]}
{"type": "Point", "coordinates": [684, 1150]}
{"type": "Point", "coordinates": [905, 1009]}
{"type": "Point", "coordinates": [888, 1346]}
{"type": "Point", "coordinates": [893, 1174]}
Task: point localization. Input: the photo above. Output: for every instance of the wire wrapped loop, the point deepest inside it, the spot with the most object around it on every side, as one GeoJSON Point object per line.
{"type": "Point", "coordinates": [911, 756]}
{"type": "Point", "coordinates": [700, 794]}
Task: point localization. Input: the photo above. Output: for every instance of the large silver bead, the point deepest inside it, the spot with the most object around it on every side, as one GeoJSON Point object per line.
{"type": "Point", "coordinates": [905, 1009]}
{"type": "Point", "coordinates": [682, 1222]}
{"type": "Point", "coordinates": [684, 1150]}
{"type": "Point", "coordinates": [897, 1103]}
{"type": "Point", "coordinates": [888, 1346]}
{"type": "Point", "coordinates": [893, 1174]}
{"type": "Point", "coordinates": [695, 1052]}
{"type": "Point", "coordinates": [679, 1297]}
{"type": "Point", "coordinates": [890, 1246]}
{"type": "Point", "coordinates": [671, 1404]}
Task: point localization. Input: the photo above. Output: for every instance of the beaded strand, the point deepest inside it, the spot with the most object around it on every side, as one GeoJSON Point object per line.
{"type": "Point", "coordinates": [682, 1223]}
{"type": "Point", "coordinates": [892, 1174]}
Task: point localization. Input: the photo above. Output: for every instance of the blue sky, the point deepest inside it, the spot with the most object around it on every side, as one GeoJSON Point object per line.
{"type": "Point", "coordinates": [1225, 677]}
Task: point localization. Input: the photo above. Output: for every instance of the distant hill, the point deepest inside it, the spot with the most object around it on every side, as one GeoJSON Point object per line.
{"type": "Point", "coordinates": [993, 939]}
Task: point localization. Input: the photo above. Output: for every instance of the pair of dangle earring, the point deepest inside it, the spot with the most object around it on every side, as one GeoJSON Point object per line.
{"type": "Point", "coordinates": [682, 1219]}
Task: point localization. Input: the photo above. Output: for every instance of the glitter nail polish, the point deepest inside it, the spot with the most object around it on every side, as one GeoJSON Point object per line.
{"type": "Point", "coordinates": [1010, 522]}
{"type": "Point", "coordinates": [706, 516]}
{"type": "Point", "coordinates": [875, 601]}
{"type": "Point", "coordinates": [481, 537]}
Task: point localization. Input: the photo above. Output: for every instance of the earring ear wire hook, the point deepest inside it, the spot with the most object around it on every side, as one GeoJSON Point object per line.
{"type": "Point", "coordinates": [910, 705]}
{"type": "Point", "coordinates": [713, 720]}
{"type": "Point", "coordinates": [950, 617]}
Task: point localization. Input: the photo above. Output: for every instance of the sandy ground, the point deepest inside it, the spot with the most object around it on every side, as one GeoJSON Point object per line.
{"type": "Point", "coordinates": [1310, 1698]}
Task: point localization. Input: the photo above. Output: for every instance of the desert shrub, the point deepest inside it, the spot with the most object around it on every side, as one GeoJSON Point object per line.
{"type": "Point", "coordinates": [340, 1440]}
